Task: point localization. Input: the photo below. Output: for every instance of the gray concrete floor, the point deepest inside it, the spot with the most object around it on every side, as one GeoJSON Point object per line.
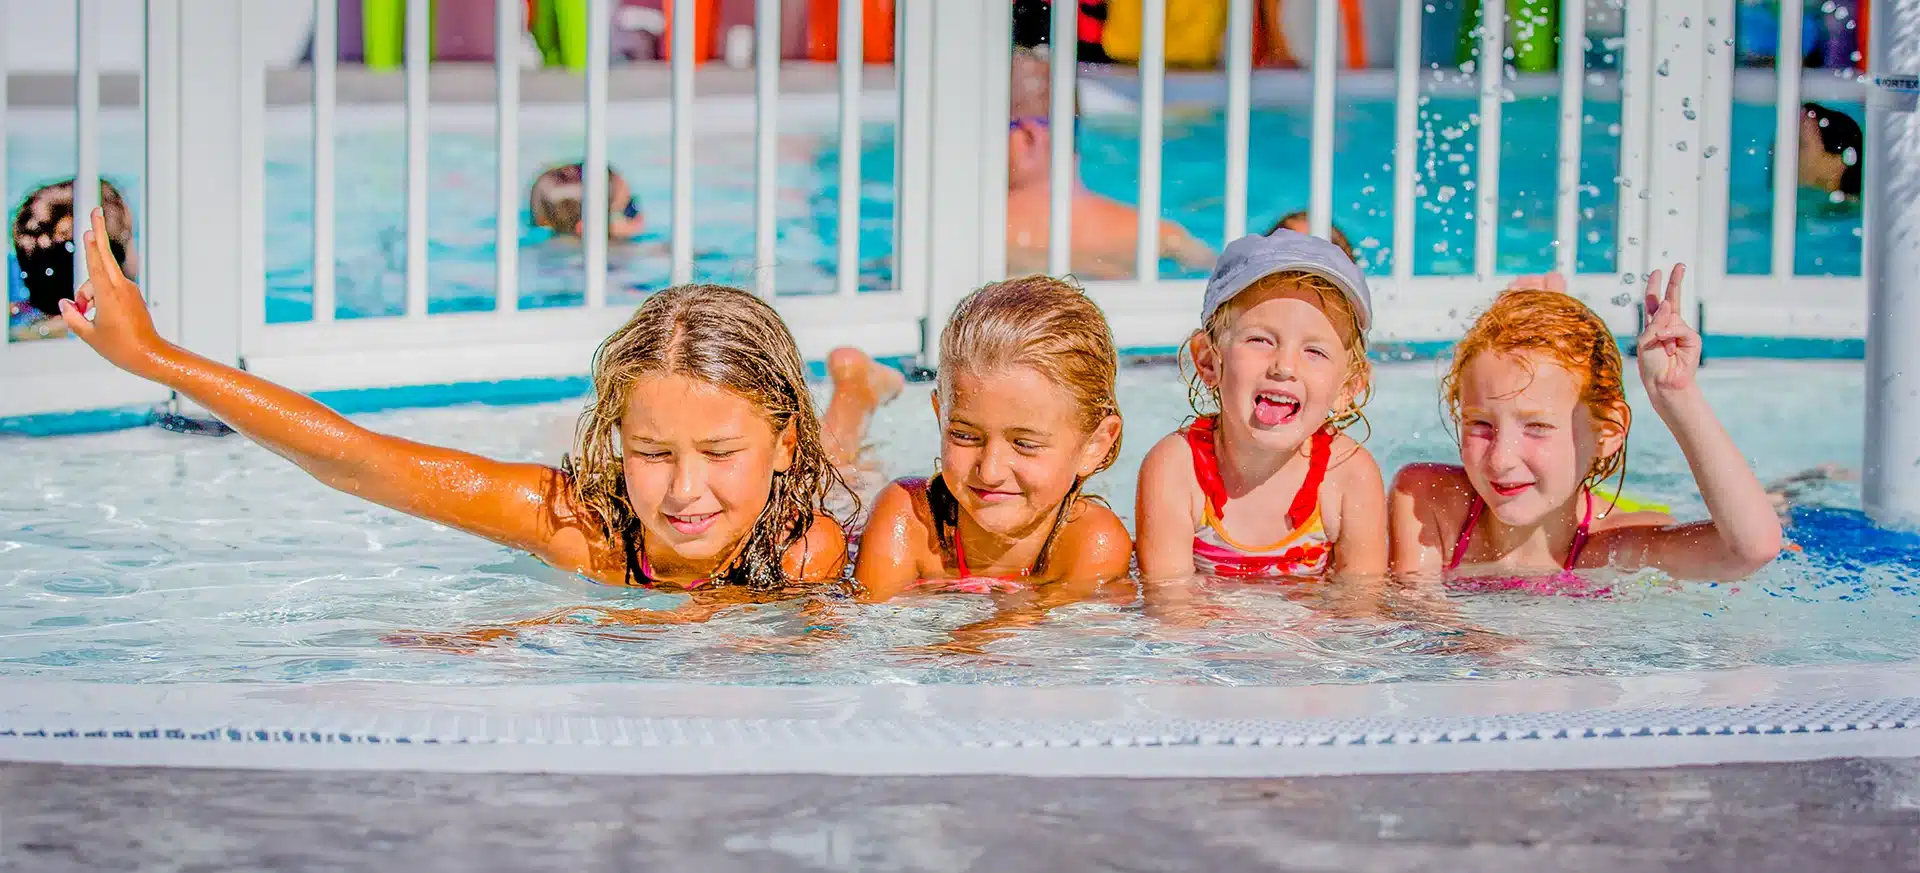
{"type": "Point", "coordinates": [1850, 814]}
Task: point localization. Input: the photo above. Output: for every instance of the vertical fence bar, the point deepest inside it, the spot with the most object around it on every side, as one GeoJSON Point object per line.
{"type": "Point", "coordinates": [419, 59]}
{"type": "Point", "coordinates": [1716, 138]}
{"type": "Point", "coordinates": [506, 130]}
{"type": "Point", "coordinates": [852, 60]}
{"type": "Point", "coordinates": [682, 243]}
{"type": "Point", "coordinates": [1492, 67]}
{"type": "Point", "coordinates": [6, 197]}
{"type": "Point", "coordinates": [594, 169]}
{"type": "Point", "coordinates": [1326, 61]}
{"type": "Point", "coordinates": [1153, 84]}
{"type": "Point", "coordinates": [1890, 491]}
{"type": "Point", "coordinates": [916, 100]}
{"type": "Point", "coordinates": [1786, 140]}
{"type": "Point", "coordinates": [1573, 72]}
{"type": "Point", "coordinates": [86, 176]}
{"type": "Point", "coordinates": [1239, 113]}
{"type": "Point", "coordinates": [1406, 150]}
{"type": "Point", "coordinates": [766, 132]}
{"type": "Point", "coordinates": [326, 57]}
{"type": "Point", "coordinates": [158, 237]}
{"type": "Point", "coordinates": [1063, 55]}
{"type": "Point", "coordinates": [1636, 113]}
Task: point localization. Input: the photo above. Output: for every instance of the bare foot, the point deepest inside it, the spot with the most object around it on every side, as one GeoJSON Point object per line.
{"type": "Point", "coordinates": [860, 386]}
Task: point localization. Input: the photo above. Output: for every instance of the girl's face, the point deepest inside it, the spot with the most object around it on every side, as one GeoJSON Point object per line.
{"type": "Point", "coordinates": [1280, 367]}
{"type": "Point", "coordinates": [1526, 438]}
{"type": "Point", "coordinates": [699, 462]}
{"type": "Point", "coordinates": [1013, 446]}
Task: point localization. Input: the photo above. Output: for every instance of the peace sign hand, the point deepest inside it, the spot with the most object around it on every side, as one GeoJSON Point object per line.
{"type": "Point", "coordinates": [108, 311]}
{"type": "Point", "coordinates": [1669, 348]}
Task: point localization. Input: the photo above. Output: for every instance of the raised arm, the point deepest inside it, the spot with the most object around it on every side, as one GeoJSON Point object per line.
{"type": "Point", "coordinates": [522, 506]}
{"type": "Point", "coordinates": [1743, 534]}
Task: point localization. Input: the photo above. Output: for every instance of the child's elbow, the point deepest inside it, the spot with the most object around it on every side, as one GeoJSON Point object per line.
{"type": "Point", "coordinates": [1752, 555]}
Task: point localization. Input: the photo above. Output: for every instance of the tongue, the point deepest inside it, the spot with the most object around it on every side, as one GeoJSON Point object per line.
{"type": "Point", "coordinates": [1269, 414]}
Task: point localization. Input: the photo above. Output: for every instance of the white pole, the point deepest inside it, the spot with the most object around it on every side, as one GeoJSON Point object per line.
{"type": "Point", "coordinates": [852, 62]}
{"type": "Point", "coordinates": [1063, 50]}
{"type": "Point", "coordinates": [1153, 89]}
{"type": "Point", "coordinates": [681, 246]}
{"type": "Point", "coordinates": [1492, 67]}
{"type": "Point", "coordinates": [506, 231]}
{"type": "Point", "coordinates": [1239, 113]}
{"type": "Point", "coordinates": [1326, 48]}
{"type": "Point", "coordinates": [86, 178]}
{"type": "Point", "coordinates": [1892, 465]}
{"type": "Point", "coordinates": [766, 160]}
{"type": "Point", "coordinates": [1786, 140]}
{"type": "Point", "coordinates": [326, 57]}
{"type": "Point", "coordinates": [1406, 136]}
{"type": "Point", "coordinates": [1573, 74]}
{"type": "Point", "coordinates": [419, 57]}
{"type": "Point", "coordinates": [594, 168]}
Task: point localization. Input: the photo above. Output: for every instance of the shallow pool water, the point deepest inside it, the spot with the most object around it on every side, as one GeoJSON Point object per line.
{"type": "Point", "coordinates": [145, 555]}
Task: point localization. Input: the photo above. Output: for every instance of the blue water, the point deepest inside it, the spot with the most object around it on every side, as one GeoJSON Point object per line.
{"type": "Point", "coordinates": [370, 192]}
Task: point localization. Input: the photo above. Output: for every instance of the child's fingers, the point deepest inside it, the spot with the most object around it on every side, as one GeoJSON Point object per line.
{"type": "Point", "coordinates": [1673, 285]}
{"type": "Point", "coordinates": [99, 254]}
{"type": "Point", "coordinates": [76, 322]}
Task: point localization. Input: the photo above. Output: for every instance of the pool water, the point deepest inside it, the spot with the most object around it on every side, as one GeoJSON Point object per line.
{"type": "Point", "coordinates": [143, 556]}
{"type": "Point", "coordinates": [370, 225]}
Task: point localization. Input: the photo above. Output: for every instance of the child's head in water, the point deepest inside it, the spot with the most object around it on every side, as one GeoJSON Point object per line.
{"type": "Point", "coordinates": [1300, 222]}
{"type": "Point", "coordinates": [44, 240]}
{"type": "Point", "coordinates": [557, 195]}
{"type": "Point", "coordinates": [1027, 408]}
{"type": "Point", "coordinates": [701, 441]}
{"type": "Point", "coordinates": [1535, 391]}
{"type": "Point", "coordinates": [1283, 347]}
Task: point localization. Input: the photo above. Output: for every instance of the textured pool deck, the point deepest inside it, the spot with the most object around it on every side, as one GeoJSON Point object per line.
{"type": "Point", "coordinates": [1846, 814]}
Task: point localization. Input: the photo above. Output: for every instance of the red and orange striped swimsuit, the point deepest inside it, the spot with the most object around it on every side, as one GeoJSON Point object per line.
{"type": "Point", "coordinates": [1304, 551]}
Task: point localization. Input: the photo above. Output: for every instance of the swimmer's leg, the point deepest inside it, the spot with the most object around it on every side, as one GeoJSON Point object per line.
{"type": "Point", "coordinates": [860, 386]}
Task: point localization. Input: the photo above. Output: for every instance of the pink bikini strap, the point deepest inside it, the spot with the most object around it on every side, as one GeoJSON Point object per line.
{"type": "Point", "coordinates": [1580, 534]}
{"type": "Point", "coordinates": [1466, 533]}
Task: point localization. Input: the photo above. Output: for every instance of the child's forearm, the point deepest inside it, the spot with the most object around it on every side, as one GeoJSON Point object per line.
{"type": "Point", "coordinates": [286, 422]}
{"type": "Point", "coordinates": [1748, 528]}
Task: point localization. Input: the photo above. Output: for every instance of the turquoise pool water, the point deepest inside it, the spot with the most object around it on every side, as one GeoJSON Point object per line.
{"type": "Point", "coordinates": [371, 254]}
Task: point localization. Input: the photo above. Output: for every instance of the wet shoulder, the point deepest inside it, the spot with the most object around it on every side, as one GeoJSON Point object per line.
{"type": "Point", "coordinates": [1094, 543]}
{"type": "Point", "coordinates": [820, 555]}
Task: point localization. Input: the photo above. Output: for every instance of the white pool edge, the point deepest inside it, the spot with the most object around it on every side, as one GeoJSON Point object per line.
{"type": "Point", "coordinates": [1697, 718]}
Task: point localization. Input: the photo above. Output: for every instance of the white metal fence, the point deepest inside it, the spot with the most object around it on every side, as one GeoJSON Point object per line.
{"type": "Point", "coordinates": [205, 118]}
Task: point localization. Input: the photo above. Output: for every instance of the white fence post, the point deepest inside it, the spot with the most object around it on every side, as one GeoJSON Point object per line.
{"type": "Point", "coordinates": [1675, 213]}
{"type": "Point", "coordinates": [211, 302]}
{"type": "Point", "coordinates": [965, 155]}
{"type": "Point", "coordinates": [1892, 463]}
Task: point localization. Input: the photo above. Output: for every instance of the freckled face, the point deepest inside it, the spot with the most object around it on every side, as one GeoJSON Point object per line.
{"type": "Point", "coordinates": [1526, 439]}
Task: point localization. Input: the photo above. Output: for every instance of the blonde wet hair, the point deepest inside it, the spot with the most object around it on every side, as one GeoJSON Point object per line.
{"type": "Point", "coordinates": [1050, 326]}
{"type": "Point", "coordinates": [730, 339]}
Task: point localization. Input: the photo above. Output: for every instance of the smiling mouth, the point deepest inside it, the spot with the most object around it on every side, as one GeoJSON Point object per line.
{"type": "Point", "coordinates": [693, 525]}
{"type": "Point", "coordinates": [985, 495]}
{"type": "Point", "coordinates": [1509, 489]}
{"type": "Point", "coordinates": [1275, 408]}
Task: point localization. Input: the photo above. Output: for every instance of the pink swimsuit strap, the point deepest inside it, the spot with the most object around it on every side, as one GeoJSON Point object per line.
{"type": "Point", "coordinates": [1473, 517]}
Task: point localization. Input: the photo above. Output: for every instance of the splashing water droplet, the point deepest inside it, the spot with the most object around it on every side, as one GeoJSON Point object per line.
{"type": "Point", "coordinates": [1665, 68]}
{"type": "Point", "coordinates": [1711, 151]}
{"type": "Point", "coordinates": [1680, 146]}
{"type": "Point", "coordinates": [1691, 115]}
{"type": "Point", "coordinates": [1623, 299]}
{"type": "Point", "coordinates": [1626, 278]}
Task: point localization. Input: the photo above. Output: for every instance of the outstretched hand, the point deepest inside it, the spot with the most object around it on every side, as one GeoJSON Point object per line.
{"type": "Point", "coordinates": [1669, 348]}
{"type": "Point", "coordinates": [108, 311]}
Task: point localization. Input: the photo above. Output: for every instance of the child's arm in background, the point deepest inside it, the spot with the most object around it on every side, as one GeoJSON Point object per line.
{"type": "Point", "coordinates": [1743, 534]}
{"type": "Point", "coordinates": [1163, 512]}
{"type": "Point", "coordinates": [890, 546]}
{"type": "Point", "coordinates": [1184, 248]}
{"type": "Point", "coordinates": [522, 506]}
{"type": "Point", "coordinates": [1361, 547]}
